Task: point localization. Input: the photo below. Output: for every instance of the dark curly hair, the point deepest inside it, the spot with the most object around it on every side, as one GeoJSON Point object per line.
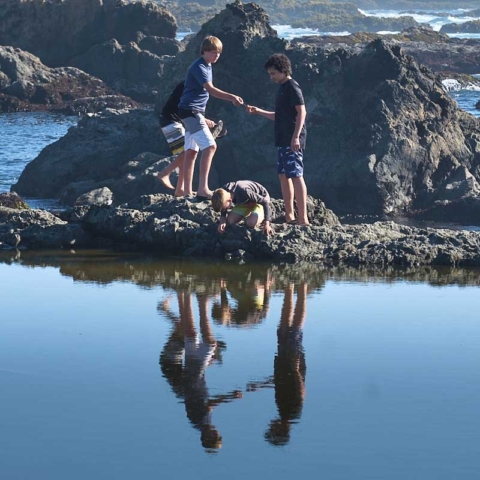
{"type": "Point", "coordinates": [279, 62]}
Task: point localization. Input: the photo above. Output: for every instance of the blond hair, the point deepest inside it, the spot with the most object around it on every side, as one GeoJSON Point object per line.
{"type": "Point", "coordinates": [211, 44]}
{"type": "Point", "coordinates": [219, 197]}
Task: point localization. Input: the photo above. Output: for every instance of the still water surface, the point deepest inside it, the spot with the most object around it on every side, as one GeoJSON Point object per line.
{"type": "Point", "coordinates": [116, 366]}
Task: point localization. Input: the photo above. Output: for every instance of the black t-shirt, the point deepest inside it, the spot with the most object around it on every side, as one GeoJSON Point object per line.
{"type": "Point", "coordinates": [170, 109]}
{"type": "Point", "coordinates": [289, 95]}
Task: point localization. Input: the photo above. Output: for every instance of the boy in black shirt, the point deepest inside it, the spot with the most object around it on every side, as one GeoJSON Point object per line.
{"type": "Point", "coordinates": [290, 136]}
{"type": "Point", "coordinates": [251, 200]}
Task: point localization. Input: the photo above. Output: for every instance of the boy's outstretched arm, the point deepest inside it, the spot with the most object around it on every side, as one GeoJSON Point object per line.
{"type": "Point", "coordinates": [259, 111]}
{"type": "Point", "coordinates": [217, 93]}
{"type": "Point", "coordinates": [299, 122]}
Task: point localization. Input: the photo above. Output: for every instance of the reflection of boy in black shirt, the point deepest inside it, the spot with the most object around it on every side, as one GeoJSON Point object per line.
{"type": "Point", "coordinates": [188, 380]}
{"type": "Point", "coordinates": [290, 136]}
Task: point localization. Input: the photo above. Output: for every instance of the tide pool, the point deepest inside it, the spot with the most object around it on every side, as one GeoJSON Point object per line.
{"type": "Point", "coordinates": [128, 366]}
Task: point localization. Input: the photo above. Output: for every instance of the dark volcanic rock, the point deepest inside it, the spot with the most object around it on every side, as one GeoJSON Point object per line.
{"type": "Point", "coordinates": [12, 200]}
{"type": "Point", "coordinates": [188, 228]}
{"type": "Point", "coordinates": [94, 154]}
{"type": "Point", "coordinates": [466, 27]}
{"type": "Point", "coordinates": [127, 68]}
{"type": "Point", "coordinates": [59, 30]}
{"type": "Point", "coordinates": [27, 84]}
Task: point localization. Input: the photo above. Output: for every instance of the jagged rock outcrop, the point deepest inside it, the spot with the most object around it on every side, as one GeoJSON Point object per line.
{"type": "Point", "coordinates": [123, 43]}
{"type": "Point", "coordinates": [188, 228]}
{"type": "Point", "coordinates": [26, 84]}
{"type": "Point", "coordinates": [58, 30]}
{"type": "Point", "coordinates": [128, 68]}
{"type": "Point", "coordinates": [12, 200]}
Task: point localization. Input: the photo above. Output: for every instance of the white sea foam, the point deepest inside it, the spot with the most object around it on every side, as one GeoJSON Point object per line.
{"type": "Point", "coordinates": [432, 18]}
{"type": "Point", "coordinates": [452, 85]}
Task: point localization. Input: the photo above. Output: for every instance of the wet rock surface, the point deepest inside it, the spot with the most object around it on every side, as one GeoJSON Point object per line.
{"type": "Point", "coordinates": [188, 227]}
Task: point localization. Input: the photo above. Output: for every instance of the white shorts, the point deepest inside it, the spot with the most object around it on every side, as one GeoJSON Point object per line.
{"type": "Point", "coordinates": [197, 135]}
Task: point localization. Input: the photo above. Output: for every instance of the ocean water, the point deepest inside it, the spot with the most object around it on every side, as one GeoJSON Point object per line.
{"type": "Point", "coordinates": [22, 137]}
{"type": "Point", "coordinates": [435, 21]}
{"type": "Point", "coordinates": [124, 366]}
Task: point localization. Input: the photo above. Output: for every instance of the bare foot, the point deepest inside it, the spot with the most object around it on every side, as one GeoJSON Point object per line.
{"type": "Point", "coordinates": [204, 194]}
{"type": "Point", "coordinates": [166, 181]}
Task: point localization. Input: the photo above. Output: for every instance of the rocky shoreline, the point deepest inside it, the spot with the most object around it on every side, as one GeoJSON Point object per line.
{"type": "Point", "coordinates": [187, 227]}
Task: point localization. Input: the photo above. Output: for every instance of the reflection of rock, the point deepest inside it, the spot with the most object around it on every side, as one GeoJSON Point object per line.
{"type": "Point", "coordinates": [102, 266]}
{"type": "Point", "coordinates": [27, 84]}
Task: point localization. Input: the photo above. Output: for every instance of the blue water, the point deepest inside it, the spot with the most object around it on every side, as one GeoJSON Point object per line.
{"type": "Point", "coordinates": [374, 391]}
{"type": "Point", "coordinates": [22, 137]}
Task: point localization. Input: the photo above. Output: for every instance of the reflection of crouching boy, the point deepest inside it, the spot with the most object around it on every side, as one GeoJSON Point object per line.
{"type": "Point", "coordinates": [250, 201]}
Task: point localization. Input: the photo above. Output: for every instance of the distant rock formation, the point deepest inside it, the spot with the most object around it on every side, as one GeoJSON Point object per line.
{"type": "Point", "coordinates": [431, 48]}
{"type": "Point", "coordinates": [472, 26]}
{"type": "Point", "coordinates": [26, 84]}
{"type": "Point", "coordinates": [324, 16]}
{"type": "Point", "coordinates": [120, 42]}
{"type": "Point", "coordinates": [56, 31]}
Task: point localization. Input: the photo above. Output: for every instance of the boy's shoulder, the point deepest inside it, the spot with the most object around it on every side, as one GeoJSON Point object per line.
{"type": "Point", "coordinates": [292, 83]}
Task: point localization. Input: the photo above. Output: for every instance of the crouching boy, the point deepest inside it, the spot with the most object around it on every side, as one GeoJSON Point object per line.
{"type": "Point", "coordinates": [247, 200]}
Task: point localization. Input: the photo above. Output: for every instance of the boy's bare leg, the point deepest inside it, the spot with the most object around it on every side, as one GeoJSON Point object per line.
{"type": "Point", "coordinates": [300, 190]}
{"type": "Point", "coordinates": [186, 314]}
{"type": "Point", "coordinates": [301, 306]}
{"type": "Point", "coordinates": [252, 220]}
{"type": "Point", "coordinates": [164, 175]}
{"type": "Point", "coordinates": [180, 189]}
{"type": "Point", "coordinates": [233, 218]}
{"type": "Point", "coordinates": [287, 194]}
{"type": "Point", "coordinates": [205, 164]}
{"type": "Point", "coordinates": [188, 167]}
{"type": "Point", "coordinates": [286, 315]}
{"type": "Point", "coordinates": [205, 326]}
